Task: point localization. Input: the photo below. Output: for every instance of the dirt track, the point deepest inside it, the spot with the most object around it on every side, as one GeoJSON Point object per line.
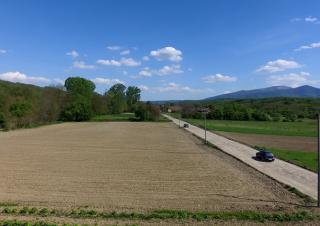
{"type": "Point", "coordinates": [128, 166]}
{"type": "Point", "coordinates": [282, 142]}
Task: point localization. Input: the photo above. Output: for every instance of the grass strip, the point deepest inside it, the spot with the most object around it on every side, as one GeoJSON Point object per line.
{"type": "Point", "coordinates": [166, 214]}
{"type": "Point", "coordinates": [304, 128]}
{"type": "Point", "coordinates": [304, 159]}
{"type": "Point", "coordinates": [42, 223]}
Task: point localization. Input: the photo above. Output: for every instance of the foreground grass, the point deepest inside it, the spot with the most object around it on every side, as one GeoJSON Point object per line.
{"type": "Point", "coordinates": [165, 214]}
{"type": "Point", "coordinates": [123, 117]}
{"type": "Point", "coordinates": [305, 128]}
{"type": "Point", "coordinates": [39, 223]}
{"type": "Point", "coordinates": [308, 160]}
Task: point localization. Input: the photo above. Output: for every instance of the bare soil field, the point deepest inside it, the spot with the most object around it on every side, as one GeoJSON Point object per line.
{"type": "Point", "coordinates": [292, 143]}
{"type": "Point", "coordinates": [129, 166]}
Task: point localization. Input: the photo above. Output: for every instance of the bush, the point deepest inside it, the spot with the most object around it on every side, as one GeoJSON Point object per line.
{"type": "Point", "coordinates": [78, 110]}
{"type": "Point", "coordinates": [147, 112]}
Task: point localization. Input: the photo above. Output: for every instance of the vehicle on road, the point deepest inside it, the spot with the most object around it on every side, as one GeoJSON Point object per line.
{"type": "Point", "coordinates": [264, 155]}
{"type": "Point", "coordinates": [185, 125]}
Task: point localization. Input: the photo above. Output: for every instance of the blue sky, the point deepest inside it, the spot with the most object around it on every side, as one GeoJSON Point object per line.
{"type": "Point", "coordinates": [170, 49]}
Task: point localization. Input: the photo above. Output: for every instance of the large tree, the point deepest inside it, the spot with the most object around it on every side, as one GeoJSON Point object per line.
{"type": "Point", "coordinates": [80, 92]}
{"type": "Point", "coordinates": [116, 99]}
{"type": "Point", "coordinates": [133, 97]}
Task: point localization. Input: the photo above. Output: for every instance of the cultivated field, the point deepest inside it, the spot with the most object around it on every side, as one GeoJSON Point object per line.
{"type": "Point", "coordinates": [292, 143]}
{"type": "Point", "coordinates": [128, 166]}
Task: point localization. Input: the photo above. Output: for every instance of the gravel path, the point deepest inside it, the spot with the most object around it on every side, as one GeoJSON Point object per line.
{"type": "Point", "coordinates": [302, 179]}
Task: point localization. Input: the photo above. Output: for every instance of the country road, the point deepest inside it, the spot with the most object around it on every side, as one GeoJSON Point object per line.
{"type": "Point", "coordinates": [284, 172]}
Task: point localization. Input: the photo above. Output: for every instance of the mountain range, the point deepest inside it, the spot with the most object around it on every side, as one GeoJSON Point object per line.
{"type": "Point", "coordinates": [274, 91]}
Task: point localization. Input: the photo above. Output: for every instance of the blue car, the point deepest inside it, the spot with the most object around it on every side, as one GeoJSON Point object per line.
{"type": "Point", "coordinates": [264, 155]}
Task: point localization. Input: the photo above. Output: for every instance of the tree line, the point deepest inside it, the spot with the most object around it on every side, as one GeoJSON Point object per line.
{"type": "Point", "coordinates": [23, 105]}
{"type": "Point", "coordinates": [268, 109]}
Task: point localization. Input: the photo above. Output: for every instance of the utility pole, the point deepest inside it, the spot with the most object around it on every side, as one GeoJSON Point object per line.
{"type": "Point", "coordinates": [318, 160]}
{"type": "Point", "coordinates": [205, 128]}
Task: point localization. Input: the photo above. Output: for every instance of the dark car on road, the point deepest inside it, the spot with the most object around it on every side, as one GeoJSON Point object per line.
{"type": "Point", "coordinates": [264, 155]}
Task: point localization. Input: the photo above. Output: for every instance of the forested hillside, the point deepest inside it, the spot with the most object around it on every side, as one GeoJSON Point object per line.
{"type": "Point", "coordinates": [268, 109]}
{"type": "Point", "coordinates": [24, 105]}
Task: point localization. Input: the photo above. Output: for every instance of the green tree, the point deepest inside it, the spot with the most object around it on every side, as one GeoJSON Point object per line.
{"type": "Point", "coordinates": [133, 97]}
{"type": "Point", "coordinates": [147, 112]}
{"type": "Point", "coordinates": [116, 99]}
{"type": "Point", "coordinates": [80, 86]}
{"type": "Point", "coordinates": [80, 92]}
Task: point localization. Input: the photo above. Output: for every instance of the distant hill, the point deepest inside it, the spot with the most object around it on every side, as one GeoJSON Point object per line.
{"type": "Point", "coordinates": [274, 91]}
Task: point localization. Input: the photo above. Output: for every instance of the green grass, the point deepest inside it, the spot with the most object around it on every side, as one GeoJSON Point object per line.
{"type": "Point", "coordinates": [307, 160]}
{"type": "Point", "coordinates": [123, 117]}
{"type": "Point", "coordinates": [166, 214]}
{"type": "Point", "coordinates": [115, 117]}
{"type": "Point", "coordinates": [306, 128]}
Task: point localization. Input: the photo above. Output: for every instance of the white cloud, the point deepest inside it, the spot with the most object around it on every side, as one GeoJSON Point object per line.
{"type": "Point", "coordinates": [145, 58]}
{"type": "Point", "coordinates": [23, 78]}
{"type": "Point", "coordinates": [125, 52]}
{"type": "Point", "coordinates": [311, 46]}
{"type": "Point", "coordinates": [109, 62]}
{"type": "Point", "coordinates": [174, 87]}
{"type": "Point", "coordinates": [167, 53]}
{"type": "Point", "coordinates": [311, 19]}
{"type": "Point", "coordinates": [58, 81]}
{"type": "Point", "coordinates": [106, 81]}
{"type": "Point", "coordinates": [146, 72]}
{"type": "Point", "coordinates": [292, 79]}
{"type": "Point", "coordinates": [165, 70]}
{"type": "Point", "coordinates": [114, 48]}
{"type": "Point", "coordinates": [219, 78]}
{"type": "Point", "coordinates": [123, 62]}
{"type": "Point", "coordinates": [144, 88]}
{"type": "Point", "coordinates": [82, 65]}
{"type": "Point", "coordinates": [3, 51]}
{"type": "Point", "coordinates": [129, 62]}
{"type": "Point", "coordinates": [73, 54]}
{"type": "Point", "coordinates": [278, 65]}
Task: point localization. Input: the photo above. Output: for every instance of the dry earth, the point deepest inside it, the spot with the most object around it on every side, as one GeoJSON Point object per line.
{"type": "Point", "coordinates": [129, 166]}
{"type": "Point", "coordinates": [292, 143]}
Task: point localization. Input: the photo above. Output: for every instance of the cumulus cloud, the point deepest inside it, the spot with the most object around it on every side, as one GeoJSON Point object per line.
{"type": "Point", "coordinates": [292, 79]}
{"type": "Point", "coordinates": [3, 51]}
{"type": "Point", "coordinates": [311, 46]}
{"type": "Point", "coordinates": [143, 88]}
{"type": "Point", "coordinates": [16, 76]}
{"type": "Point", "coordinates": [114, 48]}
{"type": "Point", "coordinates": [165, 70]}
{"type": "Point", "coordinates": [278, 65]}
{"type": "Point", "coordinates": [125, 52]}
{"type": "Point", "coordinates": [82, 65]}
{"type": "Point", "coordinates": [167, 53]}
{"type": "Point", "coordinates": [73, 54]}
{"type": "Point", "coordinates": [174, 87]}
{"type": "Point", "coordinates": [123, 62]}
{"type": "Point", "coordinates": [219, 78]}
{"type": "Point", "coordinates": [145, 72]}
{"type": "Point", "coordinates": [312, 19]}
{"type": "Point", "coordinates": [106, 81]}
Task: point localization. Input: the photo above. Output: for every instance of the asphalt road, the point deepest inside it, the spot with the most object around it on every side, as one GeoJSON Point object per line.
{"type": "Point", "coordinates": [284, 172]}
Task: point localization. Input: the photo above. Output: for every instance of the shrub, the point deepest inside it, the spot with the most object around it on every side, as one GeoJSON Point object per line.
{"type": "Point", "coordinates": [147, 112]}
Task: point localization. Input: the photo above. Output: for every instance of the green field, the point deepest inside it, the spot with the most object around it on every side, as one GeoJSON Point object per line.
{"type": "Point", "coordinates": [304, 159]}
{"type": "Point", "coordinates": [115, 117]}
{"type": "Point", "coordinates": [306, 128]}
{"type": "Point", "coordinates": [121, 117]}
